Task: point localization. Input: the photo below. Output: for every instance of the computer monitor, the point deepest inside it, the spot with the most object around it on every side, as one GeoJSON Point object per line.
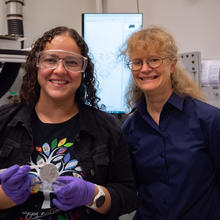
{"type": "Point", "coordinates": [105, 34]}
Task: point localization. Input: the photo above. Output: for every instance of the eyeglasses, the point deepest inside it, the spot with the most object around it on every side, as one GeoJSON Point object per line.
{"type": "Point", "coordinates": [72, 62]}
{"type": "Point", "coordinates": [152, 62]}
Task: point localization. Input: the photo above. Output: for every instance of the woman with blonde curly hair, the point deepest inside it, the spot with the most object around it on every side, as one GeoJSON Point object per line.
{"type": "Point", "coordinates": [173, 134]}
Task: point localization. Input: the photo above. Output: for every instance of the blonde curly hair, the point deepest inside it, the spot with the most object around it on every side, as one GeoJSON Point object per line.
{"type": "Point", "coordinates": [157, 39]}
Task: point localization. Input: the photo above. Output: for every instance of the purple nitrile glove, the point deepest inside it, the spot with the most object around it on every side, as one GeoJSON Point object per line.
{"type": "Point", "coordinates": [74, 192]}
{"type": "Point", "coordinates": [16, 183]}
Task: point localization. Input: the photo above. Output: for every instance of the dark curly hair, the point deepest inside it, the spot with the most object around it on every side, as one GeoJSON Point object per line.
{"type": "Point", "coordinates": [30, 88]}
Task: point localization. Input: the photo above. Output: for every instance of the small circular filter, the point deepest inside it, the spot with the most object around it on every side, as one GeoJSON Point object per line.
{"type": "Point", "coordinates": [49, 173]}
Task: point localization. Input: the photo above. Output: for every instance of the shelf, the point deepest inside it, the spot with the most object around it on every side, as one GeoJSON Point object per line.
{"type": "Point", "coordinates": [13, 56]}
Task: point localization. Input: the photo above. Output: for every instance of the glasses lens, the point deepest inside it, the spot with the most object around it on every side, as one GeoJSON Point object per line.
{"type": "Point", "coordinates": [154, 62]}
{"type": "Point", "coordinates": [47, 61]}
{"type": "Point", "coordinates": [73, 63]}
{"type": "Point", "coordinates": [136, 64]}
{"type": "Point", "coordinates": [50, 60]}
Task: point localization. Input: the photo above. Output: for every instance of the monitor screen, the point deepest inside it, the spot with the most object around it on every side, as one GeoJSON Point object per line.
{"type": "Point", "coordinates": [105, 35]}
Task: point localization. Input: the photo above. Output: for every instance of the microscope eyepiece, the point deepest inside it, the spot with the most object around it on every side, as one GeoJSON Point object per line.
{"type": "Point", "coordinates": [15, 17]}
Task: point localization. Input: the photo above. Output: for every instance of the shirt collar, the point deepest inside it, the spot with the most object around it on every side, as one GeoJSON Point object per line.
{"type": "Point", "coordinates": [87, 119]}
{"type": "Point", "coordinates": [141, 106]}
{"type": "Point", "coordinates": [174, 100]}
{"type": "Point", "coordinates": [22, 116]}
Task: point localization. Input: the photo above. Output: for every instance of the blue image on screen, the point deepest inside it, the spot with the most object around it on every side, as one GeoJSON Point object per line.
{"type": "Point", "coordinates": [105, 34]}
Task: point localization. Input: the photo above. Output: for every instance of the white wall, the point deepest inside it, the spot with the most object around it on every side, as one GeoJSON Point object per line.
{"type": "Point", "coordinates": [42, 15]}
{"type": "Point", "coordinates": [193, 23]}
{"type": "Point", "coordinates": [3, 23]}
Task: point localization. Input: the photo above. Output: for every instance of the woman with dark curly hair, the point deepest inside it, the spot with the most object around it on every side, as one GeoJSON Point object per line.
{"type": "Point", "coordinates": [61, 157]}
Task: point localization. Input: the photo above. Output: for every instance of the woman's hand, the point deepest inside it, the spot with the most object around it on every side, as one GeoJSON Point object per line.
{"type": "Point", "coordinates": [16, 183]}
{"type": "Point", "coordinates": [75, 192]}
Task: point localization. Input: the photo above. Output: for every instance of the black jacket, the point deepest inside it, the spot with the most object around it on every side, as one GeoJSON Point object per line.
{"type": "Point", "coordinates": [102, 153]}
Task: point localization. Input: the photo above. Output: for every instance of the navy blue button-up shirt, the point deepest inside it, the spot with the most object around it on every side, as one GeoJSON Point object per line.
{"type": "Point", "coordinates": [178, 162]}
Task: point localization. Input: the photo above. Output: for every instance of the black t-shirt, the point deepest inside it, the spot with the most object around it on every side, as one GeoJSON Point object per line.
{"type": "Point", "coordinates": [53, 143]}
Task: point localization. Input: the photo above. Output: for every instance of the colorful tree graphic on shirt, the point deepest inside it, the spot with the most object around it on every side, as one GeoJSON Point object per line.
{"type": "Point", "coordinates": [57, 154]}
